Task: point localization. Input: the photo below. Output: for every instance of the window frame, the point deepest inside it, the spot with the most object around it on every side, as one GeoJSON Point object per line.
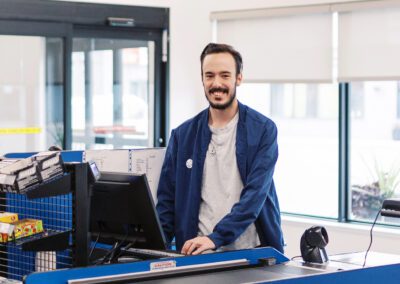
{"type": "Point", "coordinates": [344, 155]}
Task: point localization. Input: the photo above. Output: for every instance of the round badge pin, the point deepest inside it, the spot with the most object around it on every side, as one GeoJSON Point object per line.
{"type": "Point", "coordinates": [189, 163]}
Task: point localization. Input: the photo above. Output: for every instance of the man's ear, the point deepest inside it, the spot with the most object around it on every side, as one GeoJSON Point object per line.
{"type": "Point", "coordinates": [239, 79]}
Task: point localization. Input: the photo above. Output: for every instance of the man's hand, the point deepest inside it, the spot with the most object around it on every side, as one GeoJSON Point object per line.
{"type": "Point", "coordinates": [197, 245]}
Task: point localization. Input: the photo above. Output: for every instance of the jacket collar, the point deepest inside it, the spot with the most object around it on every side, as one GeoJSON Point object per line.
{"type": "Point", "coordinates": [241, 143]}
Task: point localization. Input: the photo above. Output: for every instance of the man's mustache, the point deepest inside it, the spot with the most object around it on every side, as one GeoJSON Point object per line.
{"type": "Point", "coordinates": [222, 90]}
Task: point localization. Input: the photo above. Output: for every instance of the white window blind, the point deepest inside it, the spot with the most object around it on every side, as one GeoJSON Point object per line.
{"type": "Point", "coordinates": [369, 44]}
{"type": "Point", "coordinates": [287, 48]}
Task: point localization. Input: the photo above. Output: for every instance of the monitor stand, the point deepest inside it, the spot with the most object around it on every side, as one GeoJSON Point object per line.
{"type": "Point", "coordinates": [111, 255]}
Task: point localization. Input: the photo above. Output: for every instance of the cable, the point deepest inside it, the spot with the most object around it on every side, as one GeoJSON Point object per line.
{"type": "Point", "coordinates": [110, 255]}
{"type": "Point", "coordinates": [107, 255]}
{"type": "Point", "coordinates": [128, 246]}
{"type": "Point", "coordinates": [94, 246]}
{"type": "Point", "coordinates": [370, 236]}
{"type": "Point", "coordinates": [294, 257]}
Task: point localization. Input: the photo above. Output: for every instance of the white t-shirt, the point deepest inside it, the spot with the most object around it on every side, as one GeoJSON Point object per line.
{"type": "Point", "coordinates": [222, 185]}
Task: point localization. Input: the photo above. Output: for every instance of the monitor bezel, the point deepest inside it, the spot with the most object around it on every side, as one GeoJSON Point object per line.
{"type": "Point", "coordinates": [150, 237]}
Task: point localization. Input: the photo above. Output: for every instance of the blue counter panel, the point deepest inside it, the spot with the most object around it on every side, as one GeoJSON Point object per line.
{"type": "Point", "coordinates": [63, 276]}
{"type": "Point", "coordinates": [67, 156]}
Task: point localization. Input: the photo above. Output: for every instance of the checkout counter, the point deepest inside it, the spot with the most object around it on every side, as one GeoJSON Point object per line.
{"type": "Point", "coordinates": [260, 265]}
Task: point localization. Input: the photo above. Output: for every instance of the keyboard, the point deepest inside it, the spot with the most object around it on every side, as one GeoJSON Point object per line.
{"type": "Point", "coordinates": [151, 254]}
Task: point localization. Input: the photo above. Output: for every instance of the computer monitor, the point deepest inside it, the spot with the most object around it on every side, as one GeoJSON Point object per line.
{"type": "Point", "coordinates": [122, 211]}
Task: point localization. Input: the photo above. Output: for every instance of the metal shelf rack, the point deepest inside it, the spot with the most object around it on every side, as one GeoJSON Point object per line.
{"type": "Point", "coordinates": [61, 204]}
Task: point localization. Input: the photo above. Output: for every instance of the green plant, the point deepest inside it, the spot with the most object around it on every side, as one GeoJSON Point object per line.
{"type": "Point", "coordinates": [388, 180]}
{"type": "Point", "coordinates": [383, 183]}
{"type": "Point", "coordinates": [385, 180]}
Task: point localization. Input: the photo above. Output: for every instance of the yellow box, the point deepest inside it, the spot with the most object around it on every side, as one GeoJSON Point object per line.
{"type": "Point", "coordinates": [7, 217]}
{"type": "Point", "coordinates": [25, 228]}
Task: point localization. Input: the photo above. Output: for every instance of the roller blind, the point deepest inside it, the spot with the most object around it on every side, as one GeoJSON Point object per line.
{"type": "Point", "coordinates": [288, 48]}
{"type": "Point", "coordinates": [369, 44]}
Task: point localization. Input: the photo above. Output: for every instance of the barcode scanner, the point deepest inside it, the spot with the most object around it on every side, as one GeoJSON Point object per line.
{"type": "Point", "coordinates": [313, 243]}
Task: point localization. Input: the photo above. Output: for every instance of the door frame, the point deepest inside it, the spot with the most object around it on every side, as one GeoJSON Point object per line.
{"type": "Point", "coordinates": [67, 20]}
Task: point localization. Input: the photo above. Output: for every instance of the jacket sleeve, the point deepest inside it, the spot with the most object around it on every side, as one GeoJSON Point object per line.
{"type": "Point", "coordinates": [166, 190]}
{"type": "Point", "coordinates": [255, 191]}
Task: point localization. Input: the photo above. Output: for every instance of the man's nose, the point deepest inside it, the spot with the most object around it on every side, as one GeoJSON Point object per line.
{"type": "Point", "coordinates": [217, 82]}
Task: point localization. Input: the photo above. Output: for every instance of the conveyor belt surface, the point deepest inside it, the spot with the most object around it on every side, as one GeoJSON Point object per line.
{"type": "Point", "coordinates": [243, 275]}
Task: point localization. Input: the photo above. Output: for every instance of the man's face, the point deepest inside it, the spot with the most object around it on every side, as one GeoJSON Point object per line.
{"type": "Point", "coordinates": [220, 79]}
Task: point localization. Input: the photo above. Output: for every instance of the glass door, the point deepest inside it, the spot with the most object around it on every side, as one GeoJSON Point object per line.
{"type": "Point", "coordinates": [31, 93]}
{"type": "Point", "coordinates": [112, 95]}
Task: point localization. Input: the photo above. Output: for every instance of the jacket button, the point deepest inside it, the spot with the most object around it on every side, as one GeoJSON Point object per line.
{"type": "Point", "coordinates": [189, 163]}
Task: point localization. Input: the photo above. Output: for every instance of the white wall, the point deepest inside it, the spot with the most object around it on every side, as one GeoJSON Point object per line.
{"type": "Point", "coordinates": [190, 31]}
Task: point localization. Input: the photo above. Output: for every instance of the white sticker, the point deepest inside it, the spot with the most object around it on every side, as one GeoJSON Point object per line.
{"type": "Point", "coordinates": [189, 163]}
{"type": "Point", "coordinates": [160, 265]}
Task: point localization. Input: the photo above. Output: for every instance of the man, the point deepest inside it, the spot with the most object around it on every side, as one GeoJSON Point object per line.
{"type": "Point", "coordinates": [216, 189]}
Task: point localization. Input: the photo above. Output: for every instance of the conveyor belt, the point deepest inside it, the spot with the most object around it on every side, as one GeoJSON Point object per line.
{"type": "Point", "coordinates": [243, 275]}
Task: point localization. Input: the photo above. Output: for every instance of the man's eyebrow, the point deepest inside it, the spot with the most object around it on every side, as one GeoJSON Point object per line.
{"type": "Point", "coordinates": [222, 72]}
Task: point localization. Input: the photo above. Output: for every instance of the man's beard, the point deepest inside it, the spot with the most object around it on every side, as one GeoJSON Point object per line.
{"type": "Point", "coordinates": [221, 106]}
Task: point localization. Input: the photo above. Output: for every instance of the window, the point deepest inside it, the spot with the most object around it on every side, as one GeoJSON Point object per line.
{"type": "Point", "coordinates": [31, 93]}
{"type": "Point", "coordinates": [375, 148]}
{"type": "Point", "coordinates": [307, 170]}
{"type": "Point", "coordinates": [307, 119]}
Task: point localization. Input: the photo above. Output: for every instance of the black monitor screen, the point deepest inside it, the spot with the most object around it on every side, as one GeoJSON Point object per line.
{"type": "Point", "coordinates": [122, 210]}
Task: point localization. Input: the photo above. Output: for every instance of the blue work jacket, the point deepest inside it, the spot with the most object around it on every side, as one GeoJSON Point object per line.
{"type": "Point", "coordinates": [179, 190]}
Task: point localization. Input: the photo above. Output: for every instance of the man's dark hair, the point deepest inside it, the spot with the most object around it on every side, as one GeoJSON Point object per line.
{"type": "Point", "coordinates": [222, 48]}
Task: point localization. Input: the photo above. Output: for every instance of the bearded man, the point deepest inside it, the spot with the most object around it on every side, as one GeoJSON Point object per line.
{"type": "Point", "coordinates": [216, 189]}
